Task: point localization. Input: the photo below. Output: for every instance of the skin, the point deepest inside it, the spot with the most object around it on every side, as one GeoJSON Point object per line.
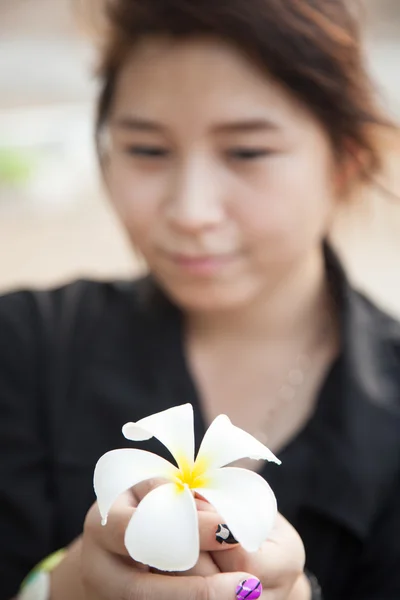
{"type": "Point", "coordinates": [98, 567]}
{"type": "Point", "coordinates": [258, 220]}
{"type": "Point", "coordinates": [227, 186]}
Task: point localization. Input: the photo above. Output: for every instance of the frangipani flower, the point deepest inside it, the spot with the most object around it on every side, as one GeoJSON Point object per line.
{"type": "Point", "coordinates": [163, 532]}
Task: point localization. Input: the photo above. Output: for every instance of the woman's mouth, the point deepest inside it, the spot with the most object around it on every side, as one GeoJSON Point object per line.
{"type": "Point", "coordinates": [202, 265]}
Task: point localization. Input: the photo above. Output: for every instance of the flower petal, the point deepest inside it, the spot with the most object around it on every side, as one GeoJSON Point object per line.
{"type": "Point", "coordinates": [163, 532]}
{"type": "Point", "coordinates": [246, 503]}
{"type": "Point", "coordinates": [172, 427]}
{"type": "Point", "coordinates": [224, 443]}
{"type": "Point", "coordinates": [119, 470]}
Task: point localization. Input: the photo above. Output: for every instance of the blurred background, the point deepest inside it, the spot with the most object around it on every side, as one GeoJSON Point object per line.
{"type": "Point", "coordinates": [54, 220]}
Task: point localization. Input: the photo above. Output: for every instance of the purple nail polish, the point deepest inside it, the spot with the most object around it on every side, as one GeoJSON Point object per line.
{"type": "Point", "coordinates": [249, 589]}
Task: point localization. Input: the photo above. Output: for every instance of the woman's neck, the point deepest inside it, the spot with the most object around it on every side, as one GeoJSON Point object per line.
{"type": "Point", "coordinates": [298, 303]}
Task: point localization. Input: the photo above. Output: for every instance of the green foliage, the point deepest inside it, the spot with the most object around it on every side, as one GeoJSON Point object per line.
{"type": "Point", "coordinates": [16, 167]}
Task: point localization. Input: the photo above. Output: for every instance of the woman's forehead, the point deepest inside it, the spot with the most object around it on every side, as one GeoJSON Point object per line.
{"type": "Point", "coordinates": [202, 76]}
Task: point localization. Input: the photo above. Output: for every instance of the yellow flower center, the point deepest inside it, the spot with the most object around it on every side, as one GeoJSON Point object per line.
{"type": "Point", "coordinates": [192, 476]}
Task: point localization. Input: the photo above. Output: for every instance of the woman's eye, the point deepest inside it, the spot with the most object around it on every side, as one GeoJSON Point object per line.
{"type": "Point", "coordinates": [248, 153]}
{"type": "Point", "coordinates": [147, 151]}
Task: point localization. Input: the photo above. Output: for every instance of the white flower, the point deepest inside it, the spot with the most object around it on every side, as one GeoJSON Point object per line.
{"type": "Point", "coordinates": [163, 531]}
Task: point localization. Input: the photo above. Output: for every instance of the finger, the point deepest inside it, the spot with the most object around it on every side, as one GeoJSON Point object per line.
{"type": "Point", "coordinates": [277, 578]}
{"type": "Point", "coordinates": [288, 591]}
{"type": "Point", "coordinates": [107, 576]}
{"type": "Point", "coordinates": [222, 586]}
{"type": "Point", "coordinates": [273, 565]}
{"type": "Point", "coordinates": [111, 536]}
{"type": "Point", "coordinates": [300, 589]}
{"type": "Point", "coordinates": [65, 579]}
{"type": "Point", "coordinates": [205, 567]}
{"type": "Point", "coordinates": [279, 561]}
{"type": "Point", "coordinates": [214, 535]}
{"type": "Point", "coordinates": [141, 490]}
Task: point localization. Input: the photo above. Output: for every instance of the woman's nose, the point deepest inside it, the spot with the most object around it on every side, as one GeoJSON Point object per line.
{"type": "Point", "coordinates": [195, 200]}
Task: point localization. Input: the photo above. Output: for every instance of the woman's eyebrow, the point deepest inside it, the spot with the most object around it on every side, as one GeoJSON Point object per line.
{"type": "Point", "coordinates": [133, 123]}
{"type": "Point", "coordinates": [246, 126]}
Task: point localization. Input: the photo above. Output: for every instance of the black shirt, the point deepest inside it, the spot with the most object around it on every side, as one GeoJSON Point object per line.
{"type": "Point", "coordinates": [78, 362]}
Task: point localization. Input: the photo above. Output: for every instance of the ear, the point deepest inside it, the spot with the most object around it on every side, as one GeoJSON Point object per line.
{"type": "Point", "coordinates": [103, 144]}
{"type": "Point", "coordinates": [349, 168]}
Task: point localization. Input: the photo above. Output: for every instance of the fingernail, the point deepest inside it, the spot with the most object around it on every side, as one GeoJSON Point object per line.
{"type": "Point", "coordinates": [224, 536]}
{"type": "Point", "coordinates": [249, 589]}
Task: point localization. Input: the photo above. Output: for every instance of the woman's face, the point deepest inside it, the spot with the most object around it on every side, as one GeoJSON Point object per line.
{"type": "Point", "coordinates": [222, 180]}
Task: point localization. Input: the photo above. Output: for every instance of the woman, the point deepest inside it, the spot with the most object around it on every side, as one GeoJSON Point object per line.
{"type": "Point", "coordinates": [228, 133]}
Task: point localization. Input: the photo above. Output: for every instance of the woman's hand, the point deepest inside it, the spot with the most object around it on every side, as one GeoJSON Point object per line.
{"type": "Point", "coordinates": [279, 564]}
{"type": "Point", "coordinates": [65, 580]}
{"type": "Point", "coordinates": [97, 567]}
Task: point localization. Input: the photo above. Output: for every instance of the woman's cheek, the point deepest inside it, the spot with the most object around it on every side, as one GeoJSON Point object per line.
{"type": "Point", "coordinates": [272, 212]}
{"type": "Point", "coordinates": [137, 201]}
{"type": "Point", "coordinates": [286, 217]}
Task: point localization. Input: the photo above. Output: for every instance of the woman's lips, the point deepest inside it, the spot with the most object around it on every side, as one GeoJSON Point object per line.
{"type": "Point", "coordinates": [205, 265]}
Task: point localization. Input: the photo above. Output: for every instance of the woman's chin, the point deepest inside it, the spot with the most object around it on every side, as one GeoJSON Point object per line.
{"type": "Point", "coordinates": [210, 298]}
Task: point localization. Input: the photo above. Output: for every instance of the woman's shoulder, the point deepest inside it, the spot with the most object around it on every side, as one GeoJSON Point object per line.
{"type": "Point", "coordinates": [387, 321]}
{"type": "Point", "coordinates": [372, 348]}
{"type": "Point", "coordinates": [78, 313]}
{"type": "Point", "coordinates": [24, 306]}
{"type": "Point", "coordinates": [377, 325]}
{"type": "Point", "coordinates": [371, 370]}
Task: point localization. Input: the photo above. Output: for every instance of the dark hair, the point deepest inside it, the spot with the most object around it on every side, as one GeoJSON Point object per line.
{"type": "Point", "coordinates": [312, 47]}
